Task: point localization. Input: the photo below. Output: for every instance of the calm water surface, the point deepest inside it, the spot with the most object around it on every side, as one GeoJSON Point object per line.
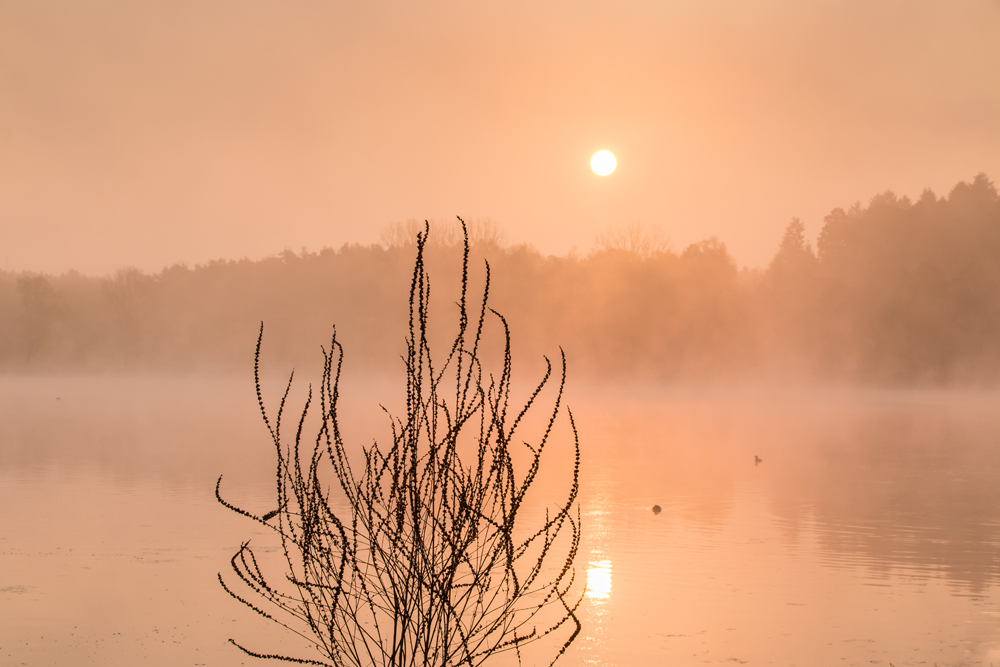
{"type": "Point", "coordinates": [869, 533]}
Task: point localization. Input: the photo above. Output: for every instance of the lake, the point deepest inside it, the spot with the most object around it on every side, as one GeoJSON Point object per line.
{"type": "Point", "coordinates": [868, 533]}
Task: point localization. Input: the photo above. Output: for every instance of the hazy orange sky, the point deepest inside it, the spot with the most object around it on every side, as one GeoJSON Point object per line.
{"type": "Point", "coordinates": [145, 133]}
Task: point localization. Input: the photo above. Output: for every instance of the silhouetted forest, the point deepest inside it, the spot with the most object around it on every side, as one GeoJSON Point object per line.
{"type": "Point", "coordinates": [895, 292]}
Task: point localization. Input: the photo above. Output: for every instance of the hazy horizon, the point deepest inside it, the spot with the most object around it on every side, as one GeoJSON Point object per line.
{"type": "Point", "coordinates": [184, 132]}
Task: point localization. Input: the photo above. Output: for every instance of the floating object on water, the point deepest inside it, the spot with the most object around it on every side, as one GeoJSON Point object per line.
{"type": "Point", "coordinates": [757, 460]}
{"type": "Point", "coordinates": [657, 509]}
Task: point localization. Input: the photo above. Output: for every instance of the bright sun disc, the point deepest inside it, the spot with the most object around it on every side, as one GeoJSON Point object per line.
{"type": "Point", "coordinates": [603, 163]}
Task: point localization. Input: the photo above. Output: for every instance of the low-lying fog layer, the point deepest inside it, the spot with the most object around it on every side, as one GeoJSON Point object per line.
{"type": "Point", "coordinates": [797, 526]}
{"type": "Point", "coordinates": [897, 293]}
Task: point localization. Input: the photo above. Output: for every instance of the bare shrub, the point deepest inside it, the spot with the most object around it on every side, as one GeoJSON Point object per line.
{"type": "Point", "coordinates": [430, 563]}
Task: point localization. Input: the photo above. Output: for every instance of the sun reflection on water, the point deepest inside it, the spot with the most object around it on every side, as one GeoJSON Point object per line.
{"type": "Point", "coordinates": [599, 580]}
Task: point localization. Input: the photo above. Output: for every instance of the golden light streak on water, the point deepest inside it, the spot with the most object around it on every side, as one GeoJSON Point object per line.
{"type": "Point", "coordinates": [599, 580]}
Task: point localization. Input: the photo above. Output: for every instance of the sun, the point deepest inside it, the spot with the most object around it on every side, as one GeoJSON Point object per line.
{"type": "Point", "coordinates": [603, 163]}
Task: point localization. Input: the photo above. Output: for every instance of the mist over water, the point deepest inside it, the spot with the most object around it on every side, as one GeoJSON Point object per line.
{"type": "Point", "coordinates": [869, 531]}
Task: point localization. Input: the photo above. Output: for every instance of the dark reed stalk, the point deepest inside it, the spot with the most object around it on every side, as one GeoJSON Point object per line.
{"type": "Point", "coordinates": [429, 564]}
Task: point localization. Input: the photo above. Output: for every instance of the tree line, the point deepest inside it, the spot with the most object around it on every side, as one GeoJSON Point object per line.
{"type": "Point", "coordinates": [895, 292]}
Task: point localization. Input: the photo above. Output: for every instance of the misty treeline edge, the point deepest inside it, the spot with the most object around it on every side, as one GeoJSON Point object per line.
{"type": "Point", "coordinates": [895, 292]}
{"type": "Point", "coordinates": [423, 558]}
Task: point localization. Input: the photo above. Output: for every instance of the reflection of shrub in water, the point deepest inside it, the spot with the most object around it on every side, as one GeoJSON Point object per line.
{"type": "Point", "coordinates": [424, 567]}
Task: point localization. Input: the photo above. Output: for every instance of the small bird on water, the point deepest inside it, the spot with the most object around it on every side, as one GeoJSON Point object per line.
{"type": "Point", "coordinates": [757, 460]}
{"type": "Point", "coordinates": [657, 509]}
